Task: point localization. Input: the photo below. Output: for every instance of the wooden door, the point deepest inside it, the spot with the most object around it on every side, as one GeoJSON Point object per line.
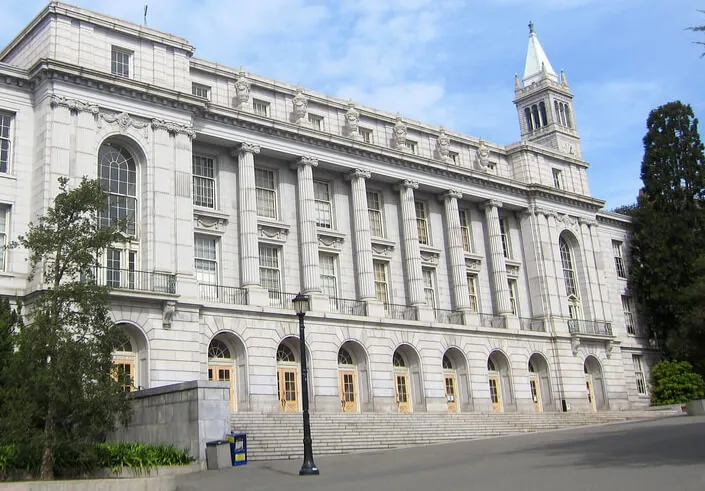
{"type": "Point", "coordinates": [288, 390]}
{"type": "Point", "coordinates": [124, 372]}
{"type": "Point", "coordinates": [451, 393]}
{"type": "Point", "coordinates": [348, 391]}
{"type": "Point", "coordinates": [224, 373]}
{"type": "Point", "coordinates": [495, 393]}
{"type": "Point", "coordinates": [536, 393]}
{"type": "Point", "coordinates": [590, 393]}
{"type": "Point", "coordinates": [403, 392]}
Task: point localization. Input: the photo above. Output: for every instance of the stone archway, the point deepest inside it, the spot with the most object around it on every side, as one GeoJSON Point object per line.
{"type": "Point", "coordinates": [408, 381]}
{"type": "Point", "coordinates": [227, 362]}
{"type": "Point", "coordinates": [540, 383]}
{"type": "Point", "coordinates": [456, 381]}
{"type": "Point", "coordinates": [500, 382]}
{"type": "Point", "coordinates": [353, 378]}
{"type": "Point", "coordinates": [595, 384]}
{"type": "Point", "coordinates": [131, 358]}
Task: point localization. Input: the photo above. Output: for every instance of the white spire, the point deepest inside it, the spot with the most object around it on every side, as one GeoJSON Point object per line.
{"type": "Point", "coordinates": [536, 61]}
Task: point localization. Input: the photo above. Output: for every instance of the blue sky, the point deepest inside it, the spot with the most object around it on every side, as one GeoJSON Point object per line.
{"type": "Point", "coordinates": [452, 62]}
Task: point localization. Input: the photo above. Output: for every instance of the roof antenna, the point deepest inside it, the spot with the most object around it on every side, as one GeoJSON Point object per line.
{"type": "Point", "coordinates": [145, 13]}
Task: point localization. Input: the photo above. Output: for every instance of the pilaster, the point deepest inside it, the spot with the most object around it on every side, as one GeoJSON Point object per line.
{"type": "Point", "coordinates": [456, 253]}
{"type": "Point", "coordinates": [410, 236]}
{"type": "Point", "coordinates": [362, 235]}
{"type": "Point", "coordinates": [308, 236]}
{"type": "Point", "coordinates": [497, 261]}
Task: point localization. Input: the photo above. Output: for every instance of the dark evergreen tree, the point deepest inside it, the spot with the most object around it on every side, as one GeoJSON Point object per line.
{"type": "Point", "coordinates": [669, 234]}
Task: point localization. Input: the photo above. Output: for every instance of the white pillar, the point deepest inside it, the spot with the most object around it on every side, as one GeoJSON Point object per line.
{"type": "Point", "coordinates": [362, 236]}
{"type": "Point", "coordinates": [601, 312]}
{"type": "Point", "coordinates": [497, 260]}
{"type": "Point", "coordinates": [456, 252]}
{"type": "Point", "coordinates": [410, 234]}
{"type": "Point", "coordinates": [308, 234]}
{"type": "Point", "coordinates": [247, 201]}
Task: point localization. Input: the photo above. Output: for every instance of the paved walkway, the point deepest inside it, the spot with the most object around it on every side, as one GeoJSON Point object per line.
{"type": "Point", "coordinates": [665, 454]}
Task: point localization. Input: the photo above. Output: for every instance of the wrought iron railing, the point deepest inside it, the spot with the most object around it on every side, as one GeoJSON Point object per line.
{"type": "Point", "coordinates": [223, 294]}
{"type": "Point", "coordinates": [347, 306]}
{"type": "Point", "coordinates": [581, 326]}
{"type": "Point", "coordinates": [401, 312]}
{"type": "Point", "coordinates": [132, 279]}
{"type": "Point", "coordinates": [281, 299]}
{"type": "Point", "coordinates": [491, 320]}
{"type": "Point", "coordinates": [449, 316]}
{"type": "Point", "coordinates": [528, 324]}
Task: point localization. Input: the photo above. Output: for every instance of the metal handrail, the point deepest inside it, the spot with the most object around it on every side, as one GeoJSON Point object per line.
{"type": "Point", "coordinates": [223, 294]}
{"type": "Point", "coordinates": [449, 316]}
{"type": "Point", "coordinates": [529, 324]}
{"type": "Point", "coordinates": [401, 312]}
{"type": "Point", "coordinates": [347, 306]}
{"type": "Point", "coordinates": [494, 321]}
{"type": "Point", "coordinates": [582, 326]}
{"type": "Point", "coordinates": [132, 279]}
{"type": "Point", "coordinates": [281, 299]}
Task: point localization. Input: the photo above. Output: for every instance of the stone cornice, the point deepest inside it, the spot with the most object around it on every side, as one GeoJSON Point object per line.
{"type": "Point", "coordinates": [173, 128]}
{"type": "Point", "coordinates": [614, 219]}
{"type": "Point", "coordinates": [73, 105]}
{"type": "Point", "coordinates": [12, 75]}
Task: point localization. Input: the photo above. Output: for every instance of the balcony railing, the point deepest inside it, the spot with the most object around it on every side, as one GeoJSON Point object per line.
{"type": "Point", "coordinates": [401, 312]}
{"type": "Point", "coordinates": [223, 294]}
{"type": "Point", "coordinates": [597, 328]}
{"type": "Point", "coordinates": [536, 325]}
{"type": "Point", "coordinates": [347, 306]}
{"type": "Point", "coordinates": [491, 320]}
{"type": "Point", "coordinates": [132, 279]}
{"type": "Point", "coordinates": [449, 316]}
{"type": "Point", "coordinates": [281, 299]}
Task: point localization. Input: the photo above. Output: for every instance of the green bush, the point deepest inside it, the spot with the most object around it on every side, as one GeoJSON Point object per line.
{"type": "Point", "coordinates": [674, 382]}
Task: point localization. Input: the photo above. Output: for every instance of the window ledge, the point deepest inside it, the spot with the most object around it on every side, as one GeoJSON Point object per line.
{"type": "Point", "coordinates": [429, 255]}
{"type": "Point", "coordinates": [513, 267]}
{"type": "Point", "coordinates": [330, 239]}
{"type": "Point", "coordinates": [382, 247]}
{"type": "Point", "coordinates": [473, 262]}
{"type": "Point", "coordinates": [210, 220]}
{"type": "Point", "coordinates": [7, 175]}
{"type": "Point", "coordinates": [273, 232]}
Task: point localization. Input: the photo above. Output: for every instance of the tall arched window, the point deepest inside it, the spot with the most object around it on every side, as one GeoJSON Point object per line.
{"type": "Point", "coordinates": [529, 123]}
{"type": "Point", "coordinates": [544, 116]}
{"type": "Point", "coordinates": [571, 282]}
{"type": "Point", "coordinates": [118, 177]}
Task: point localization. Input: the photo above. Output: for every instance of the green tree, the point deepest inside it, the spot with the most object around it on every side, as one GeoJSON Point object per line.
{"type": "Point", "coordinates": [67, 396]}
{"type": "Point", "coordinates": [674, 382]}
{"type": "Point", "coordinates": [668, 237]}
{"type": "Point", "coordinates": [699, 29]}
{"type": "Point", "coordinates": [625, 209]}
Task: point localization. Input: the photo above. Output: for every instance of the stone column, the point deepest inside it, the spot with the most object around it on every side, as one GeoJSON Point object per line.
{"type": "Point", "coordinates": [588, 267]}
{"type": "Point", "coordinates": [308, 234]}
{"type": "Point", "coordinates": [362, 236]}
{"type": "Point", "coordinates": [600, 311]}
{"type": "Point", "coordinates": [456, 252]}
{"type": "Point", "coordinates": [410, 234]}
{"type": "Point", "coordinates": [497, 261]}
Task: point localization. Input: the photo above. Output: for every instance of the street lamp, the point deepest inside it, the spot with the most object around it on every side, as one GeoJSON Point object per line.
{"type": "Point", "coordinates": [301, 305]}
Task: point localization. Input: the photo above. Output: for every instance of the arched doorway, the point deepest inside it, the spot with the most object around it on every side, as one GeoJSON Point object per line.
{"type": "Point", "coordinates": [347, 381]}
{"type": "Point", "coordinates": [288, 376]}
{"type": "Point", "coordinates": [499, 381]}
{"type": "Point", "coordinates": [455, 379]}
{"type": "Point", "coordinates": [594, 384]}
{"type": "Point", "coordinates": [408, 385]}
{"type": "Point", "coordinates": [130, 359]}
{"type": "Point", "coordinates": [539, 383]}
{"type": "Point", "coordinates": [227, 363]}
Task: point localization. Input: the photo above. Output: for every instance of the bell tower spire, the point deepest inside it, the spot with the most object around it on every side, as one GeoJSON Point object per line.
{"type": "Point", "coordinates": [544, 102]}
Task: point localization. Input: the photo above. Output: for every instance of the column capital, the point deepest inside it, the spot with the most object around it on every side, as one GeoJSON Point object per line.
{"type": "Point", "coordinates": [527, 212]}
{"type": "Point", "coordinates": [245, 147]}
{"type": "Point", "coordinates": [407, 184]}
{"type": "Point", "coordinates": [450, 194]}
{"type": "Point", "coordinates": [491, 203]}
{"type": "Point", "coordinates": [358, 173]}
{"type": "Point", "coordinates": [590, 222]}
{"type": "Point", "coordinates": [305, 160]}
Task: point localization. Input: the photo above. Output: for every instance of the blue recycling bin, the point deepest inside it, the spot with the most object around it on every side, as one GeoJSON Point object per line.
{"type": "Point", "coordinates": [238, 448]}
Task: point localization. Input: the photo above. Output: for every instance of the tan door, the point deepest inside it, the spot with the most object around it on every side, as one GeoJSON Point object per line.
{"type": "Point", "coordinates": [224, 373]}
{"type": "Point", "coordinates": [288, 393]}
{"type": "Point", "coordinates": [451, 395]}
{"type": "Point", "coordinates": [495, 393]}
{"type": "Point", "coordinates": [536, 393]}
{"type": "Point", "coordinates": [590, 392]}
{"type": "Point", "coordinates": [124, 372]}
{"type": "Point", "coordinates": [348, 391]}
{"type": "Point", "coordinates": [403, 392]}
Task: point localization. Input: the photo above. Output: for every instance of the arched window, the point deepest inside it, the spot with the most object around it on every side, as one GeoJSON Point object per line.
{"type": "Point", "coordinates": [535, 114]}
{"type": "Point", "coordinates": [558, 112]}
{"type": "Point", "coordinates": [531, 368]}
{"type": "Point", "coordinates": [398, 360]}
{"type": "Point", "coordinates": [490, 365]}
{"type": "Point", "coordinates": [529, 123]}
{"type": "Point", "coordinates": [544, 116]}
{"type": "Point", "coordinates": [447, 364]}
{"type": "Point", "coordinates": [285, 354]}
{"type": "Point", "coordinates": [571, 284]}
{"type": "Point", "coordinates": [218, 349]}
{"type": "Point", "coordinates": [118, 177]}
{"type": "Point", "coordinates": [344, 357]}
{"type": "Point", "coordinates": [567, 116]}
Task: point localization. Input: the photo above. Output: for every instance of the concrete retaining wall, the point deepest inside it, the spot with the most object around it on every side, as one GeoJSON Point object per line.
{"type": "Point", "coordinates": [161, 483]}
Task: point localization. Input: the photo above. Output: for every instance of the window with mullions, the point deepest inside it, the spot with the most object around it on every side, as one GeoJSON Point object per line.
{"type": "Point", "coordinates": [374, 210]}
{"type": "Point", "coordinates": [465, 230]}
{"type": "Point", "coordinates": [571, 283]}
{"type": "Point", "coordinates": [324, 204]}
{"type": "Point", "coordinates": [269, 271]}
{"type": "Point", "coordinates": [429, 287]}
{"type": "Point", "coordinates": [381, 281]}
{"type": "Point", "coordinates": [329, 281]}
{"type": "Point", "coordinates": [618, 251]}
{"type": "Point", "coordinates": [203, 181]}
{"type": "Point", "coordinates": [512, 284]}
{"type": "Point", "coordinates": [4, 212]}
{"type": "Point", "coordinates": [628, 309]}
{"type": "Point", "coordinates": [472, 290]}
{"type": "Point", "coordinates": [120, 268]}
{"type": "Point", "coordinates": [120, 62]}
{"type": "Point", "coordinates": [118, 177]}
{"type": "Point", "coordinates": [5, 141]}
{"type": "Point", "coordinates": [639, 374]}
{"type": "Point", "coordinates": [422, 223]}
{"type": "Point", "coordinates": [205, 260]}
{"type": "Point", "coordinates": [265, 186]}
{"type": "Point", "coordinates": [506, 242]}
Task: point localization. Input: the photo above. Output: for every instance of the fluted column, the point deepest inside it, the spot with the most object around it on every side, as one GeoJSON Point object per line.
{"type": "Point", "coordinates": [499, 267]}
{"type": "Point", "coordinates": [588, 267]}
{"type": "Point", "coordinates": [456, 252]}
{"type": "Point", "coordinates": [308, 236]}
{"type": "Point", "coordinates": [247, 201]}
{"type": "Point", "coordinates": [362, 235]}
{"type": "Point", "coordinates": [410, 234]}
{"type": "Point", "coordinates": [599, 300]}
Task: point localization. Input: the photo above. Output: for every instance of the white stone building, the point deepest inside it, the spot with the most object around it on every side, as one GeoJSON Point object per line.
{"type": "Point", "coordinates": [446, 273]}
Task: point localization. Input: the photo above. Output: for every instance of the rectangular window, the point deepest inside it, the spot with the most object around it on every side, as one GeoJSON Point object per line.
{"type": "Point", "coordinates": [4, 213]}
{"type": "Point", "coordinates": [618, 250]}
{"type": "Point", "coordinates": [324, 204]}
{"type": "Point", "coordinates": [120, 62]}
{"type": "Point", "coordinates": [455, 157]}
{"type": "Point", "coordinates": [557, 179]}
{"type": "Point", "coordinates": [205, 260]}
{"type": "Point", "coordinates": [472, 289]}
{"type": "Point", "coordinates": [265, 187]}
{"type": "Point", "coordinates": [200, 90]}
{"type": "Point", "coordinates": [429, 287]}
{"type": "Point", "coordinates": [269, 272]}
{"type": "Point", "coordinates": [411, 146]}
{"type": "Point", "coordinates": [513, 296]}
{"type": "Point", "coordinates": [115, 275]}
{"type": "Point", "coordinates": [628, 309]}
{"type": "Point", "coordinates": [365, 134]}
{"type": "Point", "coordinates": [316, 121]}
{"type": "Point", "coordinates": [203, 181]}
{"type": "Point", "coordinates": [639, 374]}
{"type": "Point", "coordinates": [5, 141]}
{"type": "Point", "coordinates": [422, 223]}
{"type": "Point", "coordinates": [506, 244]}
{"type": "Point", "coordinates": [374, 210]}
{"type": "Point", "coordinates": [465, 230]}
{"type": "Point", "coordinates": [381, 282]}
{"type": "Point", "coordinates": [329, 281]}
{"type": "Point", "coordinates": [260, 107]}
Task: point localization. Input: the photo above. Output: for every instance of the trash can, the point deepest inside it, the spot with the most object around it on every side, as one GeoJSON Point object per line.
{"type": "Point", "coordinates": [238, 448]}
{"type": "Point", "coordinates": [217, 454]}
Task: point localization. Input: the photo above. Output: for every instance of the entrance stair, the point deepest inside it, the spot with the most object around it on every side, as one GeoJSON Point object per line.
{"type": "Point", "coordinates": [272, 436]}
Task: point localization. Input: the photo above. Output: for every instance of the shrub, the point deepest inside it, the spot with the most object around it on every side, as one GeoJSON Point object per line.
{"type": "Point", "coordinates": [674, 382]}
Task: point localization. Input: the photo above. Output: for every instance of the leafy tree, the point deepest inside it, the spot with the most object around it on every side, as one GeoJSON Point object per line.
{"type": "Point", "coordinates": [65, 395]}
{"type": "Point", "coordinates": [668, 238]}
{"type": "Point", "coordinates": [674, 382]}
{"type": "Point", "coordinates": [625, 210]}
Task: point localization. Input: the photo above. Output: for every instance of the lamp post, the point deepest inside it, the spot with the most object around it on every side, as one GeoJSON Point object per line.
{"type": "Point", "coordinates": [308, 468]}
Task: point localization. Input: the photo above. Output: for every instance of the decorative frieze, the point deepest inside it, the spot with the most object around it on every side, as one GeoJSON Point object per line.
{"type": "Point", "coordinates": [173, 128]}
{"type": "Point", "coordinates": [122, 120]}
{"type": "Point", "coordinates": [73, 105]}
{"type": "Point", "coordinates": [275, 233]}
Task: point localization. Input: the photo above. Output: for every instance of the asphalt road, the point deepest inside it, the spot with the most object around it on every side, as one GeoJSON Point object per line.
{"type": "Point", "coordinates": [665, 454]}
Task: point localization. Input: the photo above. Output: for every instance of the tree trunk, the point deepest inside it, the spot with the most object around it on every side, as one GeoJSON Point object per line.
{"type": "Point", "coordinates": [47, 470]}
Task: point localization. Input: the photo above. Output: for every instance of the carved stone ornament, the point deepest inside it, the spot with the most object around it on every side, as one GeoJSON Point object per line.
{"type": "Point", "coordinates": [352, 121]}
{"type": "Point", "coordinates": [574, 345]}
{"type": "Point", "coordinates": [451, 194]}
{"type": "Point", "coordinates": [73, 105]}
{"type": "Point", "coordinates": [569, 222]}
{"type": "Point", "coordinates": [428, 257]}
{"type": "Point", "coordinates": [330, 241]}
{"type": "Point", "coordinates": [408, 184]}
{"type": "Point", "coordinates": [472, 264]}
{"type": "Point", "coordinates": [242, 89]}
{"type": "Point", "coordinates": [168, 313]}
{"type": "Point", "coordinates": [382, 249]}
{"type": "Point", "coordinates": [216, 224]}
{"type": "Point", "coordinates": [512, 270]}
{"type": "Point", "coordinates": [442, 145]}
{"type": "Point", "coordinates": [482, 160]}
{"type": "Point", "coordinates": [173, 128]}
{"type": "Point", "coordinates": [399, 140]}
{"type": "Point", "coordinates": [358, 174]}
{"type": "Point", "coordinates": [300, 106]}
{"type": "Point", "coordinates": [272, 232]}
{"type": "Point", "coordinates": [245, 147]}
{"type": "Point", "coordinates": [123, 120]}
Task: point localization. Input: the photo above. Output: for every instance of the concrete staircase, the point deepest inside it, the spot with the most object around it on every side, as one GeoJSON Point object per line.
{"type": "Point", "coordinates": [279, 435]}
